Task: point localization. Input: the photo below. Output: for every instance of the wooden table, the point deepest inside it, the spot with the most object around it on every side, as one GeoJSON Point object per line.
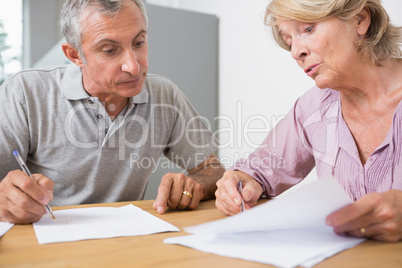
{"type": "Point", "coordinates": [19, 247]}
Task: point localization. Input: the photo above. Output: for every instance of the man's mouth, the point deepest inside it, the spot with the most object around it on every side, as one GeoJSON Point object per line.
{"type": "Point", "coordinates": [130, 81]}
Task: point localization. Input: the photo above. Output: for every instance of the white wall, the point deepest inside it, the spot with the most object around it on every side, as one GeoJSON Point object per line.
{"type": "Point", "coordinates": [257, 78]}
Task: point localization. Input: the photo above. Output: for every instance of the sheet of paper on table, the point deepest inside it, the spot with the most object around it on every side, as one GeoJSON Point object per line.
{"type": "Point", "coordinates": [4, 227]}
{"type": "Point", "coordinates": [98, 222]}
{"type": "Point", "coordinates": [285, 232]}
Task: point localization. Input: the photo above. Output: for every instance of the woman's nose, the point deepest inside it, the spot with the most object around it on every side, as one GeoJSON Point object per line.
{"type": "Point", "coordinates": [299, 50]}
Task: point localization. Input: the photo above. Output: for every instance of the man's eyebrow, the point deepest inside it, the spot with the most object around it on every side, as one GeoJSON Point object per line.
{"type": "Point", "coordinates": [140, 33]}
{"type": "Point", "coordinates": [105, 40]}
{"type": "Point", "coordinates": [114, 41]}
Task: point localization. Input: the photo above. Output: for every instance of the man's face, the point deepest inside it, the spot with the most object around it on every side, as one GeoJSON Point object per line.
{"type": "Point", "coordinates": [116, 52]}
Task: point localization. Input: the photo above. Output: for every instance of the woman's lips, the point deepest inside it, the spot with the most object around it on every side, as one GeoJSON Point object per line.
{"type": "Point", "coordinates": [312, 69]}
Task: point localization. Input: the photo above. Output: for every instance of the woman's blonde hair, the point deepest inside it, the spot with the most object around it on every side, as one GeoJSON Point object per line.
{"type": "Point", "coordinates": [382, 40]}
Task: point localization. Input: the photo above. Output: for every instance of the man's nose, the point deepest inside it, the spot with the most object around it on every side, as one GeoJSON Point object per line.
{"type": "Point", "coordinates": [130, 63]}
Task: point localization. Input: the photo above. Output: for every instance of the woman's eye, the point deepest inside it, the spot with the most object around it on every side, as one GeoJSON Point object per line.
{"type": "Point", "coordinates": [309, 29]}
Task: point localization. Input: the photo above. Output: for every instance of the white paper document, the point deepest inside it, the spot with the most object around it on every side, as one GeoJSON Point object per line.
{"type": "Point", "coordinates": [285, 232]}
{"type": "Point", "coordinates": [98, 222]}
{"type": "Point", "coordinates": [4, 227]}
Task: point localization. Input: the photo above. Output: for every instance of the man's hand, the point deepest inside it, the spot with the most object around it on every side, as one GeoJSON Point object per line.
{"type": "Point", "coordinates": [22, 198]}
{"type": "Point", "coordinates": [170, 193]}
{"type": "Point", "coordinates": [228, 199]}
{"type": "Point", "coordinates": [178, 191]}
{"type": "Point", "coordinates": [376, 215]}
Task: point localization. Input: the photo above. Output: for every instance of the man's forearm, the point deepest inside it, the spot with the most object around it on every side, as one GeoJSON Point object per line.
{"type": "Point", "coordinates": [207, 176]}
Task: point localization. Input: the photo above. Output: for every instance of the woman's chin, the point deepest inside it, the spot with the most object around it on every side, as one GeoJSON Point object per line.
{"type": "Point", "coordinates": [321, 83]}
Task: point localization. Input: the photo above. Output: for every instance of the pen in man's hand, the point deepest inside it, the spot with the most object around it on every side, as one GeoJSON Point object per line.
{"type": "Point", "coordinates": [240, 188]}
{"type": "Point", "coordinates": [26, 170]}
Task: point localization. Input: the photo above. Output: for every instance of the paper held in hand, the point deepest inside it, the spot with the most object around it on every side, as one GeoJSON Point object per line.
{"type": "Point", "coordinates": [289, 231]}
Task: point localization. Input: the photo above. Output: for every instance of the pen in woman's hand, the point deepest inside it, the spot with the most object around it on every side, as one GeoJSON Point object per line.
{"type": "Point", "coordinates": [26, 170]}
{"type": "Point", "coordinates": [240, 188]}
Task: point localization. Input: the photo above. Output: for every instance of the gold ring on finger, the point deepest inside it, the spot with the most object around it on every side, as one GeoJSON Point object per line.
{"type": "Point", "coordinates": [363, 231]}
{"type": "Point", "coordinates": [188, 194]}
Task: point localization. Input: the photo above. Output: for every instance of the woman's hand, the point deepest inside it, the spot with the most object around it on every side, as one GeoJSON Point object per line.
{"type": "Point", "coordinates": [228, 199]}
{"type": "Point", "coordinates": [376, 215]}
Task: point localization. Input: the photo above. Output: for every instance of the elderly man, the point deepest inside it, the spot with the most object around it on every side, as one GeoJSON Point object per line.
{"type": "Point", "coordinates": [90, 131]}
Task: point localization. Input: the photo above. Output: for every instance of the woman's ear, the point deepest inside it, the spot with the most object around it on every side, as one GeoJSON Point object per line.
{"type": "Point", "coordinates": [363, 21]}
{"type": "Point", "coordinates": [72, 54]}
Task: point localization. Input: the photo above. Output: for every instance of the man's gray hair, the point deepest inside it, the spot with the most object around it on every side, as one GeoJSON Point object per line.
{"type": "Point", "coordinates": [72, 11]}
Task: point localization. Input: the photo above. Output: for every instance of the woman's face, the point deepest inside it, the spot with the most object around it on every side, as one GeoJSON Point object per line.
{"type": "Point", "coordinates": [325, 50]}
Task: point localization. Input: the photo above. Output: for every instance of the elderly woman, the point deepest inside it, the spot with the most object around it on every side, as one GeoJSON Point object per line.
{"type": "Point", "coordinates": [349, 126]}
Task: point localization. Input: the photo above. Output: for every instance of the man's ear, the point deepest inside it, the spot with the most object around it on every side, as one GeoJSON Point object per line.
{"type": "Point", "coordinates": [363, 21]}
{"type": "Point", "coordinates": [72, 54]}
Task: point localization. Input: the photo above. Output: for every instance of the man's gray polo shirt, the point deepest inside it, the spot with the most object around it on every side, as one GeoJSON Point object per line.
{"type": "Point", "coordinates": [67, 135]}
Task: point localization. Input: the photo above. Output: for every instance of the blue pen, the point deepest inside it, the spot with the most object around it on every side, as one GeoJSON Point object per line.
{"type": "Point", "coordinates": [26, 170]}
{"type": "Point", "coordinates": [240, 188]}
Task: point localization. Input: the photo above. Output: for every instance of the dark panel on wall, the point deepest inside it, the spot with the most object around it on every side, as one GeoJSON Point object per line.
{"type": "Point", "coordinates": [183, 46]}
